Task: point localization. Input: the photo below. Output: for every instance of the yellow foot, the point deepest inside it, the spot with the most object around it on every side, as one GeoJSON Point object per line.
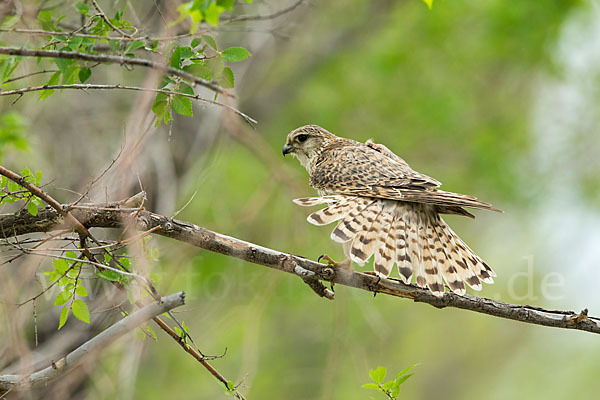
{"type": "Point", "coordinates": [344, 264]}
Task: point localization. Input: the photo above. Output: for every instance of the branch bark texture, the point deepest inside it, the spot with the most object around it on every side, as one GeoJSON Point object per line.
{"type": "Point", "coordinates": [104, 58]}
{"type": "Point", "coordinates": [105, 217]}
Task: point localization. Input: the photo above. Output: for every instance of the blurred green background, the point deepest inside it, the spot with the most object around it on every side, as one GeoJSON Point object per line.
{"type": "Point", "coordinates": [496, 99]}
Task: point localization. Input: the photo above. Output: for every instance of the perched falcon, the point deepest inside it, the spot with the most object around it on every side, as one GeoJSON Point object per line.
{"type": "Point", "coordinates": [386, 208]}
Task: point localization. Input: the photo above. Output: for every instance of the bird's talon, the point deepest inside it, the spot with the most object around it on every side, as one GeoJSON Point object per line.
{"type": "Point", "coordinates": [329, 260]}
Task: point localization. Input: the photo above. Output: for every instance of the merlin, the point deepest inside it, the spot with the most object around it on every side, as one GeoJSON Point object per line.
{"type": "Point", "coordinates": [386, 209]}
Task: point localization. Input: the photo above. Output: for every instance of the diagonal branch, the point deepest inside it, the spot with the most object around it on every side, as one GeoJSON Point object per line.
{"type": "Point", "coordinates": [98, 342]}
{"type": "Point", "coordinates": [104, 58]}
{"type": "Point", "coordinates": [63, 212]}
{"type": "Point", "coordinates": [102, 217]}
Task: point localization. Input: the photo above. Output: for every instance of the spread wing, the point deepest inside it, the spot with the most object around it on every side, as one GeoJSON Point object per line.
{"type": "Point", "coordinates": [372, 170]}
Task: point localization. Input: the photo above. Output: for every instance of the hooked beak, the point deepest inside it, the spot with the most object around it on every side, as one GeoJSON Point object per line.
{"type": "Point", "coordinates": [286, 149]}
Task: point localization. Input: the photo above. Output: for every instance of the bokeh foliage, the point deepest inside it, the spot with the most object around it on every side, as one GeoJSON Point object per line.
{"type": "Point", "coordinates": [451, 90]}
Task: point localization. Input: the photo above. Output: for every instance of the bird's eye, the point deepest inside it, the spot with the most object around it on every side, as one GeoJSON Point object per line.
{"type": "Point", "coordinates": [302, 138]}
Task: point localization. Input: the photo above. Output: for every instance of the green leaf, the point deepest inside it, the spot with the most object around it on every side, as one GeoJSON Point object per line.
{"type": "Point", "coordinates": [70, 76]}
{"type": "Point", "coordinates": [84, 74]}
{"type": "Point", "coordinates": [210, 41]}
{"type": "Point", "coordinates": [199, 69]}
{"type": "Point", "coordinates": [75, 42]}
{"type": "Point", "coordinates": [370, 386]}
{"type": "Point", "coordinates": [182, 105]}
{"type": "Point", "coordinates": [71, 254]}
{"type": "Point", "coordinates": [54, 79]}
{"type": "Point", "coordinates": [81, 311]}
{"type": "Point", "coordinates": [212, 13]}
{"type": "Point", "coordinates": [160, 107]}
{"type": "Point", "coordinates": [64, 314]}
{"type": "Point", "coordinates": [429, 3]}
{"type": "Point", "coordinates": [388, 385]}
{"type": "Point", "coordinates": [60, 265]}
{"type": "Point", "coordinates": [32, 208]}
{"type": "Point", "coordinates": [230, 385]}
{"type": "Point", "coordinates": [62, 298]}
{"type": "Point", "coordinates": [226, 4]}
{"type": "Point", "coordinates": [124, 262]}
{"type": "Point", "coordinates": [81, 291]}
{"type": "Point", "coordinates": [216, 66]}
{"type": "Point", "coordinates": [63, 64]}
{"type": "Point", "coordinates": [227, 80]}
{"type": "Point", "coordinates": [179, 332]}
{"type": "Point", "coordinates": [26, 173]}
{"type": "Point", "coordinates": [38, 178]}
{"type": "Point", "coordinates": [82, 8]}
{"type": "Point", "coordinates": [7, 66]}
{"type": "Point", "coordinates": [13, 186]}
{"type": "Point", "coordinates": [405, 370]}
{"type": "Point", "coordinates": [175, 61]}
{"type": "Point", "coordinates": [107, 258]}
{"type": "Point", "coordinates": [185, 88]}
{"type": "Point", "coordinates": [110, 275]}
{"type": "Point", "coordinates": [45, 19]}
{"type": "Point", "coordinates": [134, 46]}
{"type": "Point", "coordinates": [10, 21]}
{"type": "Point", "coordinates": [402, 379]}
{"type": "Point", "coordinates": [378, 374]}
{"type": "Point", "coordinates": [196, 42]}
{"type": "Point", "coordinates": [235, 54]}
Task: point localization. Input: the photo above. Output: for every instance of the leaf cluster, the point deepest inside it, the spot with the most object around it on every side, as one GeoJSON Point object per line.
{"type": "Point", "coordinates": [11, 192]}
{"type": "Point", "coordinates": [391, 389]}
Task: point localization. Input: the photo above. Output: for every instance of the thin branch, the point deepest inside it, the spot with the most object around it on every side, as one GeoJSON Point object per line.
{"type": "Point", "coordinates": [85, 86]}
{"type": "Point", "coordinates": [40, 32]}
{"type": "Point", "coordinates": [30, 74]}
{"type": "Point", "coordinates": [199, 357]}
{"type": "Point", "coordinates": [104, 58]}
{"type": "Point", "coordinates": [268, 16]}
{"type": "Point", "coordinates": [107, 20]}
{"type": "Point", "coordinates": [219, 243]}
{"type": "Point", "coordinates": [99, 342]}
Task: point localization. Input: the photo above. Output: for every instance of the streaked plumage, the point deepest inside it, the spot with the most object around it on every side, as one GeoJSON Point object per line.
{"type": "Point", "coordinates": [386, 210]}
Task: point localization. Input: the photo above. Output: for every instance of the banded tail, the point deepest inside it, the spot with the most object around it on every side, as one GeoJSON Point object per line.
{"type": "Point", "coordinates": [411, 235]}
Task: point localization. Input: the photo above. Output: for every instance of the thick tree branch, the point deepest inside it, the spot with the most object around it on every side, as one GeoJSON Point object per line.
{"type": "Point", "coordinates": [98, 342]}
{"type": "Point", "coordinates": [104, 58]}
{"type": "Point", "coordinates": [103, 217]}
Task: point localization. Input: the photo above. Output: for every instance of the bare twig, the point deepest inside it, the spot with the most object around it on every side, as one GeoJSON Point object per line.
{"type": "Point", "coordinates": [40, 32]}
{"type": "Point", "coordinates": [104, 58]}
{"type": "Point", "coordinates": [85, 86]}
{"type": "Point", "coordinates": [268, 16]}
{"type": "Point", "coordinates": [100, 341]}
{"type": "Point", "coordinates": [219, 243]}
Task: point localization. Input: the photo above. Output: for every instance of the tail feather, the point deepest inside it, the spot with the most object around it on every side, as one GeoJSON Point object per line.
{"type": "Point", "coordinates": [313, 201]}
{"type": "Point", "coordinates": [449, 272]}
{"type": "Point", "coordinates": [433, 276]}
{"type": "Point", "coordinates": [385, 255]}
{"type": "Point", "coordinates": [366, 242]}
{"type": "Point", "coordinates": [403, 260]}
{"type": "Point", "coordinates": [412, 236]}
{"type": "Point", "coordinates": [351, 223]}
{"type": "Point", "coordinates": [332, 213]}
{"type": "Point", "coordinates": [415, 247]}
{"type": "Point", "coordinates": [460, 258]}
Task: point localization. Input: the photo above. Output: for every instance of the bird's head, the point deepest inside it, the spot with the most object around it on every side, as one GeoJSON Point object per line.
{"type": "Point", "coordinates": [306, 142]}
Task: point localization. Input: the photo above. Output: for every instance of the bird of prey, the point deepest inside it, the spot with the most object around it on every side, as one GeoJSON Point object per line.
{"type": "Point", "coordinates": [388, 210]}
